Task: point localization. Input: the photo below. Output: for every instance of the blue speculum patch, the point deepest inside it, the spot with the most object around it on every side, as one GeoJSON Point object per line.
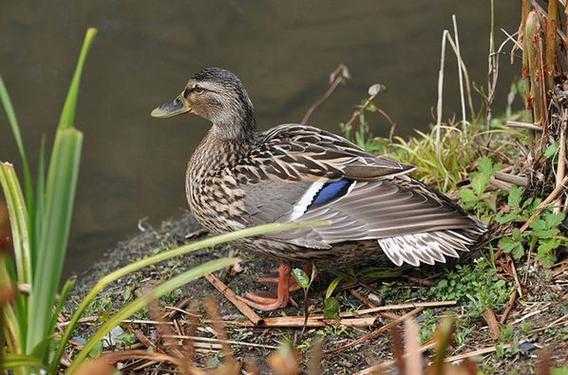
{"type": "Point", "coordinates": [330, 191]}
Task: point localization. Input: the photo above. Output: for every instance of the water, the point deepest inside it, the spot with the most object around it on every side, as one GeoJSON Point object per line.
{"type": "Point", "coordinates": [133, 166]}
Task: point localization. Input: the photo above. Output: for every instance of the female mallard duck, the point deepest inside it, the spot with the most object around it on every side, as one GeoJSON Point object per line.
{"type": "Point", "coordinates": [239, 177]}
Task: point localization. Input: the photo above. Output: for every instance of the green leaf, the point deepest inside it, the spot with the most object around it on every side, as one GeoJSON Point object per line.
{"type": "Point", "coordinates": [12, 361]}
{"type": "Point", "coordinates": [551, 150]}
{"type": "Point", "coordinates": [60, 196]}
{"type": "Point", "coordinates": [468, 197]}
{"type": "Point", "coordinates": [67, 119]}
{"type": "Point", "coordinates": [554, 219]}
{"type": "Point", "coordinates": [332, 286]}
{"type": "Point", "coordinates": [546, 251]}
{"type": "Point", "coordinates": [301, 278]}
{"type": "Point", "coordinates": [15, 127]}
{"type": "Point", "coordinates": [513, 246]}
{"type": "Point", "coordinates": [19, 222]}
{"type": "Point", "coordinates": [479, 183]}
{"type": "Point", "coordinates": [559, 371]}
{"type": "Point", "coordinates": [514, 198]}
{"type": "Point", "coordinates": [485, 166]}
{"type": "Point", "coordinates": [97, 350]}
{"type": "Point", "coordinates": [331, 308]}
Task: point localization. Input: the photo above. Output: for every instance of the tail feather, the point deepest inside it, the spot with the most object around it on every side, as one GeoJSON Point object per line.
{"type": "Point", "coordinates": [431, 247]}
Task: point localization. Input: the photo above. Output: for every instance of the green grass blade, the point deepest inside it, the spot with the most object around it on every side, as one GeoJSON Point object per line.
{"type": "Point", "coordinates": [134, 306]}
{"type": "Point", "coordinates": [18, 222]}
{"type": "Point", "coordinates": [13, 121]}
{"type": "Point", "coordinates": [165, 255]}
{"type": "Point", "coordinates": [67, 119]}
{"type": "Point", "coordinates": [11, 331]}
{"type": "Point", "coordinates": [38, 219]}
{"type": "Point", "coordinates": [13, 361]}
{"type": "Point", "coordinates": [60, 196]}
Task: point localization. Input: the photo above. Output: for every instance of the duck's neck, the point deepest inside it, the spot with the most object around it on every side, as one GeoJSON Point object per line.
{"type": "Point", "coordinates": [223, 146]}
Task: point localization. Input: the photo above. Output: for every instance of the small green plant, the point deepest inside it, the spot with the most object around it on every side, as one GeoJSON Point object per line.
{"type": "Point", "coordinates": [476, 285]}
{"type": "Point", "coordinates": [475, 198]}
{"type": "Point", "coordinates": [542, 234]}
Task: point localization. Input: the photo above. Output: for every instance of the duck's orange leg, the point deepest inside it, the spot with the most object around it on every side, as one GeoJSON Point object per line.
{"type": "Point", "coordinates": [282, 293]}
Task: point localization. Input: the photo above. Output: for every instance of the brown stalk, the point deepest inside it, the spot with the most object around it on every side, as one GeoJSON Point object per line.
{"type": "Point", "coordinates": [532, 47]}
{"type": "Point", "coordinates": [551, 28]}
{"type": "Point", "coordinates": [376, 333]}
{"type": "Point", "coordinates": [397, 347]}
{"type": "Point", "coordinates": [413, 357]}
{"type": "Point", "coordinates": [443, 336]}
{"type": "Point", "coordinates": [492, 323]}
{"type": "Point", "coordinates": [338, 76]}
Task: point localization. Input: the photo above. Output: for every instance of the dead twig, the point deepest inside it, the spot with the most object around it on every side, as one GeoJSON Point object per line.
{"type": "Point", "coordinates": [523, 125]}
{"type": "Point", "coordinates": [509, 307]}
{"type": "Point", "coordinates": [376, 333]}
{"type": "Point", "coordinates": [338, 76]}
{"type": "Point", "coordinates": [233, 298]}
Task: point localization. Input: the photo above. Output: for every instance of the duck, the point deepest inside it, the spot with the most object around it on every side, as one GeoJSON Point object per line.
{"type": "Point", "coordinates": [239, 176]}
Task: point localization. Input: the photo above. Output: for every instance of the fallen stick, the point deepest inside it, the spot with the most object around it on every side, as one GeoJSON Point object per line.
{"type": "Point", "coordinates": [509, 307]}
{"type": "Point", "coordinates": [475, 353]}
{"type": "Point", "coordinates": [533, 313]}
{"type": "Point", "coordinates": [214, 340]}
{"type": "Point", "coordinates": [523, 125]}
{"type": "Point", "coordinates": [232, 297]}
{"type": "Point", "coordinates": [348, 319]}
{"type": "Point", "coordinates": [374, 334]}
{"type": "Point", "coordinates": [298, 321]}
{"type": "Point", "coordinates": [376, 369]}
{"type": "Point", "coordinates": [402, 306]}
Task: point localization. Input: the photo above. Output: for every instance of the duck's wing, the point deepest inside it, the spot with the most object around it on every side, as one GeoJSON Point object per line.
{"type": "Point", "coordinates": [294, 152]}
{"type": "Point", "coordinates": [302, 181]}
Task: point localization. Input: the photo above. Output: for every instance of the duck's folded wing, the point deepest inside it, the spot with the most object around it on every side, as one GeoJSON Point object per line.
{"type": "Point", "coordinates": [410, 222]}
{"type": "Point", "coordinates": [298, 153]}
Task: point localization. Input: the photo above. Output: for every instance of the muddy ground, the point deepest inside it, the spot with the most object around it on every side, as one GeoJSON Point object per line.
{"type": "Point", "coordinates": [547, 296]}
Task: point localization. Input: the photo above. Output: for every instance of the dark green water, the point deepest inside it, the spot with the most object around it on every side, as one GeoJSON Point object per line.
{"type": "Point", "coordinates": [133, 165]}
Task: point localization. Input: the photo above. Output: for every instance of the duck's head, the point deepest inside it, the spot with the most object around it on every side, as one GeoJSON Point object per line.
{"type": "Point", "coordinates": [217, 95]}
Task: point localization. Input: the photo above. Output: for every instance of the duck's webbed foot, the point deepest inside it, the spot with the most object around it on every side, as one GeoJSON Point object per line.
{"type": "Point", "coordinates": [285, 286]}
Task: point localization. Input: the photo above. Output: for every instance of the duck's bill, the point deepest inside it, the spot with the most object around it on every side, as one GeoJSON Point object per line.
{"type": "Point", "coordinates": [170, 109]}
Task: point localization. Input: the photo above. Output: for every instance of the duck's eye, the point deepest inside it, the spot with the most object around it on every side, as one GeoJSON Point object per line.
{"type": "Point", "coordinates": [197, 90]}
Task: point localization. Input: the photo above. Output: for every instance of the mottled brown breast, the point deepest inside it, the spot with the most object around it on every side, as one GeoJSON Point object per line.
{"type": "Point", "coordinates": [212, 191]}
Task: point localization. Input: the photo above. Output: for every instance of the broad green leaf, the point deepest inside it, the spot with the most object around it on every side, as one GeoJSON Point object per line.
{"type": "Point", "coordinates": [331, 308]}
{"type": "Point", "coordinates": [60, 196]}
{"type": "Point", "coordinates": [551, 150]}
{"type": "Point", "coordinates": [332, 286]}
{"type": "Point", "coordinates": [479, 182]}
{"type": "Point", "coordinates": [15, 127]}
{"type": "Point", "coordinates": [301, 278]}
{"type": "Point", "coordinates": [19, 222]}
{"type": "Point", "coordinates": [546, 251]}
{"type": "Point", "coordinates": [554, 219]}
{"type": "Point", "coordinates": [67, 119]}
{"type": "Point", "coordinates": [514, 198]}
{"type": "Point", "coordinates": [13, 361]}
{"type": "Point", "coordinates": [485, 166]}
{"type": "Point", "coordinates": [559, 371]}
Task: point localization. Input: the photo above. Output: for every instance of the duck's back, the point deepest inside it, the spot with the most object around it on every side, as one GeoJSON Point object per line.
{"type": "Point", "coordinates": [294, 172]}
